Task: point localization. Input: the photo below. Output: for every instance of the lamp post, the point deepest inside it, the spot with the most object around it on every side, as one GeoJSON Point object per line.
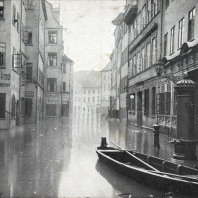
{"type": "Point", "coordinates": [159, 69]}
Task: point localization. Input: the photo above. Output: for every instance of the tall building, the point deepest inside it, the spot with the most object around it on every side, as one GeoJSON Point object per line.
{"type": "Point", "coordinates": [21, 61]}
{"type": "Point", "coordinates": [53, 62]}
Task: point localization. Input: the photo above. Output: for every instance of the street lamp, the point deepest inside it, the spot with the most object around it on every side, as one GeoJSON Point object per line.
{"type": "Point", "coordinates": [159, 66]}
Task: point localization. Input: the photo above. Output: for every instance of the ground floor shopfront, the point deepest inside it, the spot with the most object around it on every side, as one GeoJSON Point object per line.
{"type": "Point", "coordinates": [57, 105]}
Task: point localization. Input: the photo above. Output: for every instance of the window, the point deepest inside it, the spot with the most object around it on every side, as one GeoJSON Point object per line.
{"type": "Point", "coordinates": [52, 37]}
{"type": "Point", "coordinates": [153, 100]}
{"type": "Point", "coordinates": [64, 68]}
{"type": "Point", "coordinates": [14, 15]}
{"type": "Point", "coordinates": [134, 65]}
{"type": "Point", "coordinates": [52, 59]}
{"type": "Point", "coordinates": [138, 62]}
{"type": "Point", "coordinates": [148, 54]}
{"type": "Point", "coordinates": [143, 59]}
{"type": "Point", "coordinates": [1, 8]}
{"type": "Point", "coordinates": [88, 99]}
{"type": "Point", "coordinates": [16, 60]}
{"type": "Point", "coordinates": [144, 22]}
{"type": "Point", "coordinates": [18, 22]}
{"type": "Point", "coordinates": [51, 84]}
{"type": "Point", "coordinates": [2, 105]}
{"type": "Point", "coordinates": [132, 98]}
{"type": "Point", "coordinates": [148, 11]}
{"type": "Point", "coordinates": [27, 36]}
{"type": "Point", "coordinates": [13, 107]}
{"type": "Point", "coordinates": [172, 40]}
{"type": "Point", "coordinates": [181, 33]}
{"type": "Point", "coordinates": [2, 54]}
{"type": "Point", "coordinates": [154, 51]}
{"type": "Point", "coordinates": [29, 71]}
{"type": "Point", "coordinates": [146, 102]}
{"type": "Point", "coordinates": [155, 6]}
{"type": "Point", "coordinates": [191, 24]}
{"type": "Point", "coordinates": [84, 99]}
{"type": "Point", "coordinates": [165, 43]}
{"type": "Point", "coordinates": [93, 99]}
{"type": "Point", "coordinates": [175, 103]}
{"type": "Point", "coordinates": [64, 86]}
{"type": "Point", "coordinates": [166, 3]}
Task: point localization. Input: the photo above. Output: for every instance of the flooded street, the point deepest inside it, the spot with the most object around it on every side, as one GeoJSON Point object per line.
{"type": "Point", "coordinates": [57, 158]}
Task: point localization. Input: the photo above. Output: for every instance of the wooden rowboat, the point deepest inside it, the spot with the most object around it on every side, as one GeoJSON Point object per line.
{"type": "Point", "coordinates": [151, 171]}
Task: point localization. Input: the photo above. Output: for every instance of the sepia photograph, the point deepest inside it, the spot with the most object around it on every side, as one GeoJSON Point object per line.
{"type": "Point", "coordinates": [98, 98]}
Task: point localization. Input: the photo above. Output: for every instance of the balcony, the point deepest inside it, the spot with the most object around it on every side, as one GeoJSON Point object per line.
{"type": "Point", "coordinates": [130, 13]}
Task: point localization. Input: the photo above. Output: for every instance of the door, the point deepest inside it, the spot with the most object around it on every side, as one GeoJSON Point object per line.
{"type": "Point", "coordinates": [139, 109]}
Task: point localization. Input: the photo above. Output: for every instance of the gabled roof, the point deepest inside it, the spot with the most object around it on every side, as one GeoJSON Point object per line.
{"type": "Point", "coordinates": [108, 67]}
{"type": "Point", "coordinates": [67, 59]}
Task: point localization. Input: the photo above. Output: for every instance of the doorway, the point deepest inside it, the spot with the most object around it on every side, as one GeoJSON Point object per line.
{"type": "Point", "coordinates": [139, 109]}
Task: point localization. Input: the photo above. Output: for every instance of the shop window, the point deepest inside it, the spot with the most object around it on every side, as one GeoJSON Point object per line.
{"type": "Point", "coordinates": [153, 101]}
{"type": "Point", "coordinates": [2, 55]}
{"type": "Point", "coordinates": [146, 102]}
{"type": "Point", "coordinates": [191, 24]}
{"type": "Point", "coordinates": [1, 9]}
{"type": "Point", "coordinates": [181, 33]}
{"type": "Point", "coordinates": [172, 40]}
{"type": "Point", "coordinates": [132, 99]}
{"type": "Point", "coordinates": [29, 71]}
{"type": "Point", "coordinates": [51, 84]}
{"type": "Point", "coordinates": [2, 105]}
{"type": "Point", "coordinates": [50, 110]}
{"type": "Point", "coordinates": [52, 36]}
{"type": "Point", "coordinates": [28, 107]}
{"type": "Point", "coordinates": [13, 107]}
{"type": "Point", "coordinates": [52, 59]}
{"type": "Point", "coordinates": [161, 103]}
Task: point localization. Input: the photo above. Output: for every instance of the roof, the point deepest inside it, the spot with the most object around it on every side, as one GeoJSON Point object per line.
{"type": "Point", "coordinates": [107, 67]}
{"type": "Point", "coordinates": [87, 79]}
{"type": "Point", "coordinates": [67, 59]}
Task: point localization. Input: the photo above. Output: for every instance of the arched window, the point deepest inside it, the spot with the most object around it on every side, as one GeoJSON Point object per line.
{"type": "Point", "coordinates": [13, 106]}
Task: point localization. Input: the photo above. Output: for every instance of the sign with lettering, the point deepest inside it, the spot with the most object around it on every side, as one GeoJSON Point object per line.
{"type": "Point", "coordinates": [29, 94]}
{"type": "Point", "coordinates": [4, 85]}
{"type": "Point", "coordinates": [52, 98]}
{"type": "Point", "coordinates": [4, 76]}
{"type": "Point", "coordinates": [65, 98]}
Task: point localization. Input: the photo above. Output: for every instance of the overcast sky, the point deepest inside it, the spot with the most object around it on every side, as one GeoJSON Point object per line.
{"type": "Point", "coordinates": [89, 38]}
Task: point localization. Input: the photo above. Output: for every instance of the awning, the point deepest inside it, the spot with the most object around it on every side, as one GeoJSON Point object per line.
{"type": "Point", "coordinates": [118, 20]}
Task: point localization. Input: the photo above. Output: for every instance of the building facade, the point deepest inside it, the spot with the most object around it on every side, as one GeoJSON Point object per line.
{"type": "Point", "coordinates": [19, 51]}
{"type": "Point", "coordinates": [87, 97]}
{"type": "Point", "coordinates": [53, 58]}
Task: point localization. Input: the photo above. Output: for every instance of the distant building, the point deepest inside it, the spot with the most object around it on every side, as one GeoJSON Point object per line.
{"type": "Point", "coordinates": [87, 97]}
{"type": "Point", "coordinates": [105, 89]}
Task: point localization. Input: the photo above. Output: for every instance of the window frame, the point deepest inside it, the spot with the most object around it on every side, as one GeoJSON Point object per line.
{"type": "Point", "coordinates": [181, 33]}
{"type": "Point", "coordinates": [49, 85]}
{"type": "Point", "coordinates": [52, 32]}
{"type": "Point", "coordinates": [52, 55]}
{"type": "Point", "coordinates": [2, 12]}
{"type": "Point", "coordinates": [191, 20]}
{"type": "Point", "coordinates": [172, 40]}
{"type": "Point", "coordinates": [3, 56]}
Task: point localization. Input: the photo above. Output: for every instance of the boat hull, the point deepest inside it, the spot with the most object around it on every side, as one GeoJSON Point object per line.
{"type": "Point", "coordinates": [151, 178]}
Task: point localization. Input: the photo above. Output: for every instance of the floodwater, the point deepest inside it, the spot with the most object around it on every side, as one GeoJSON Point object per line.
{"type": "Point", "coordinates": [57, 158]}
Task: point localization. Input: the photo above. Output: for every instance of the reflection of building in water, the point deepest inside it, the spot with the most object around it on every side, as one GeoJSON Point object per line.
{"type": "Point", "coordinates": [87, 99]}
{"type": "Point", "coordinates": [105, 89]}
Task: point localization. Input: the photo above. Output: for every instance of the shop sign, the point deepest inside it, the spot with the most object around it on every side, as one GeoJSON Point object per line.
{"type": "Point", "coordinates": [52, 98]}
{"type": "Point", "coordinates": [65, 98]}
{"type": "Point", "coordinates": [4, 76]}
{"type": "Point", "coordinates": [29, 94]}
{"type": "Point", "coordinates": [4, 85]}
